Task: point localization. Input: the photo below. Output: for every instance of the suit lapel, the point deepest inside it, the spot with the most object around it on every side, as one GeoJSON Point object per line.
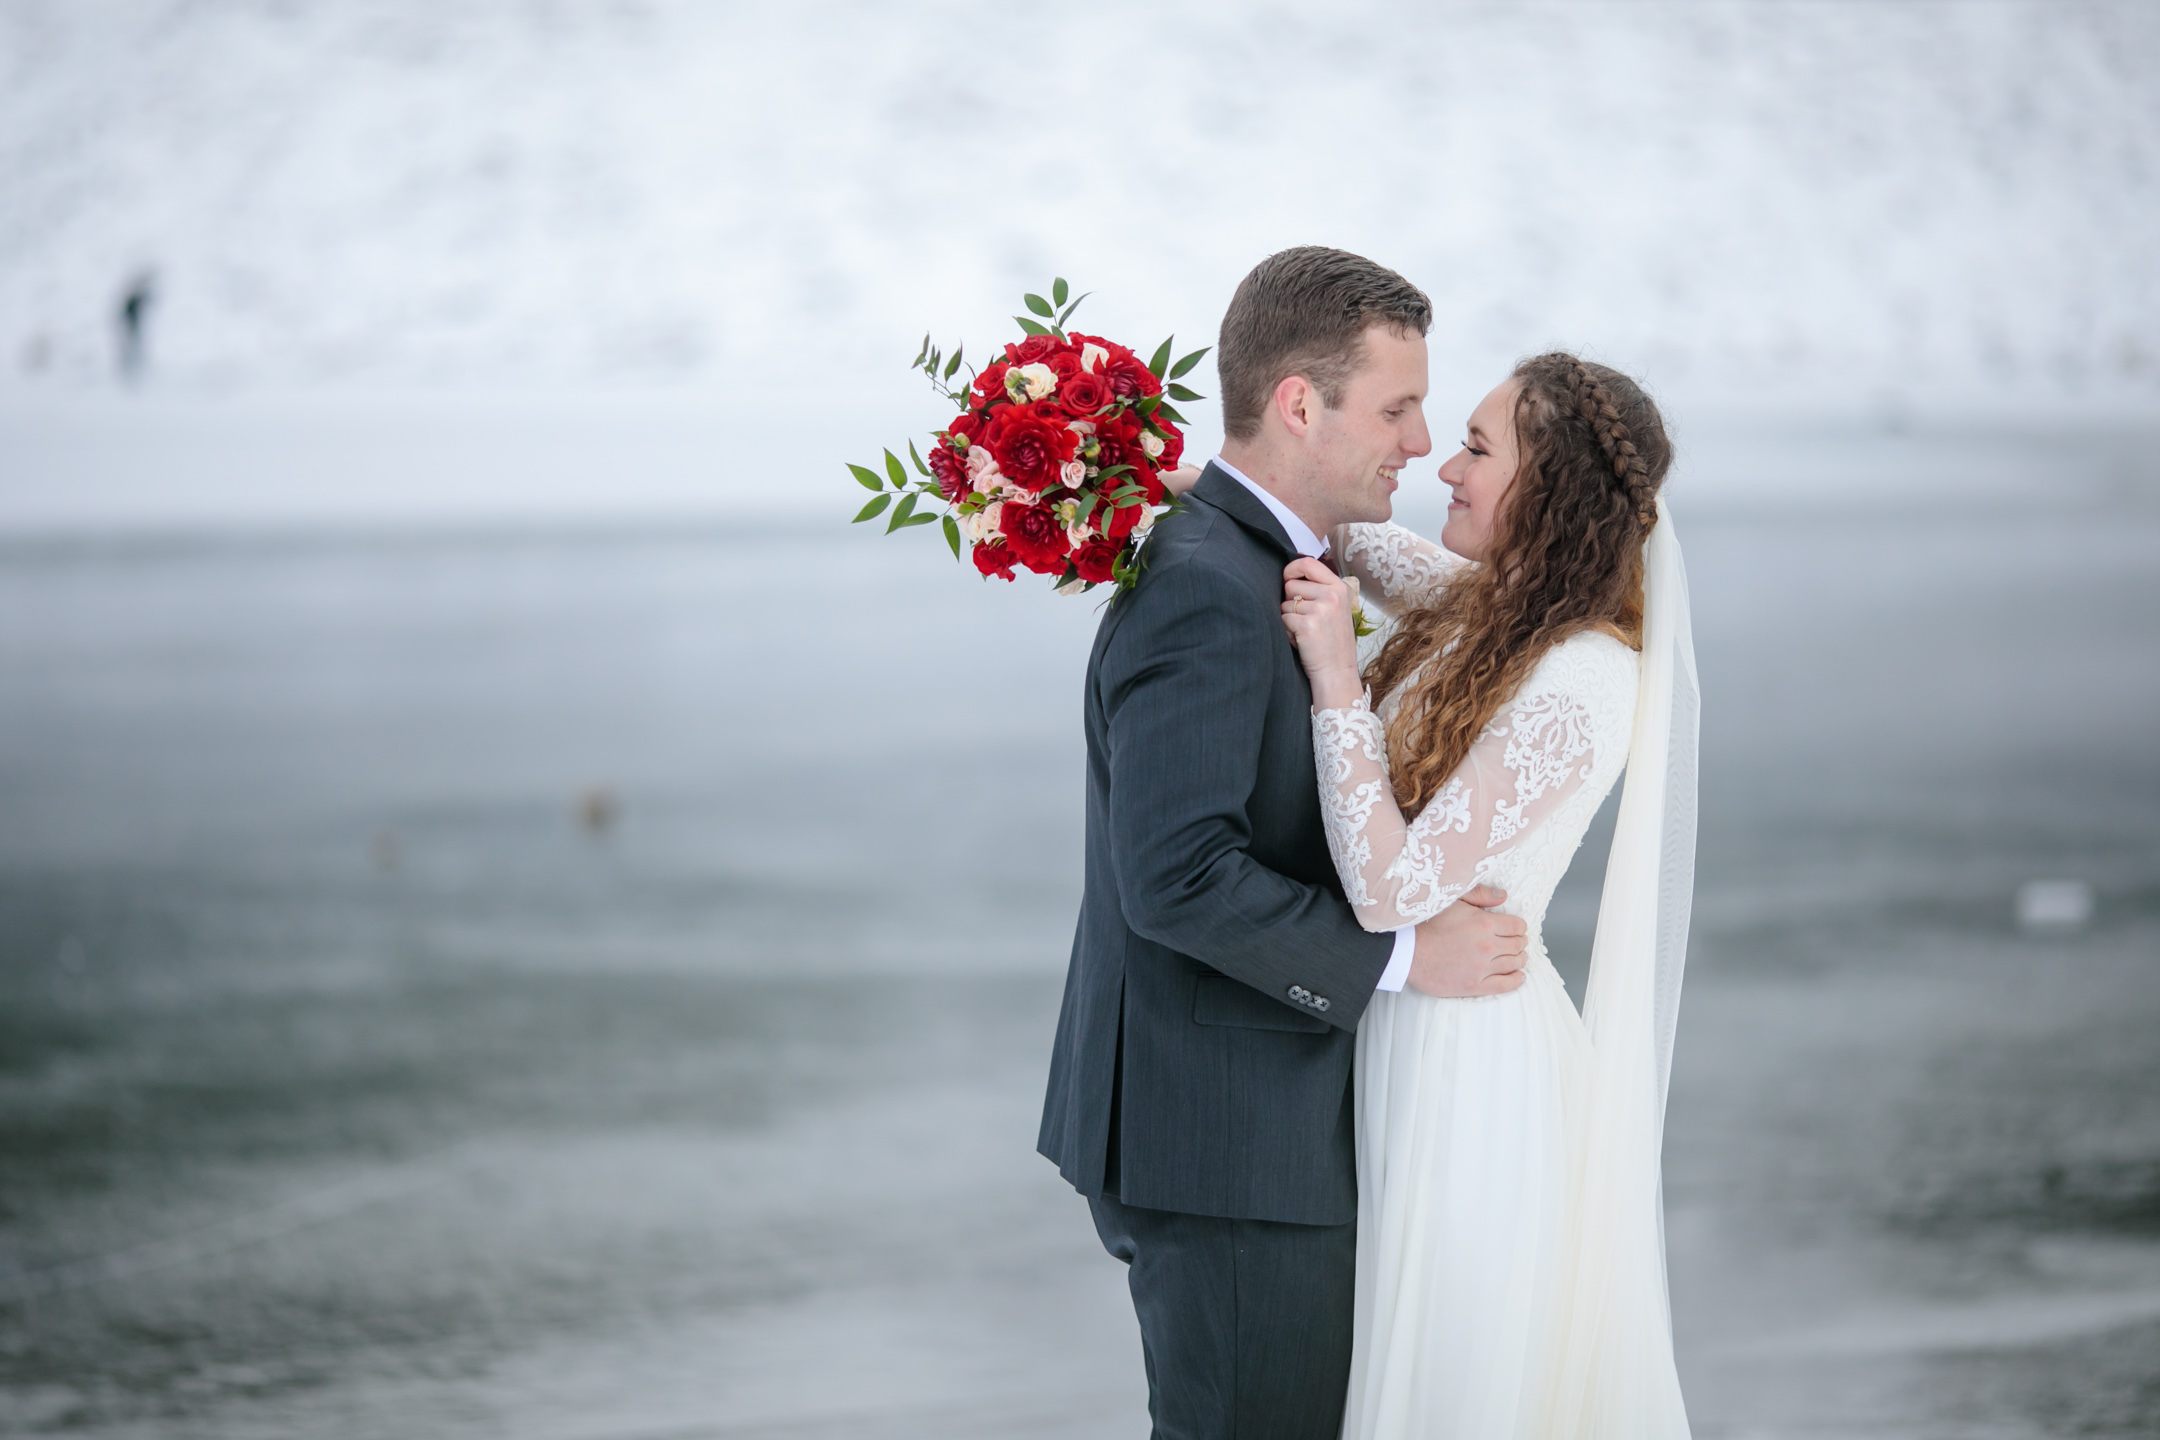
{"type": "Point", "coordinates": [1216, 488]}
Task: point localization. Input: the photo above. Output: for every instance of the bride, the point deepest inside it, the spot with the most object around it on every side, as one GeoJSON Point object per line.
{"type": "Point", "coordinates": [1510, 1265]}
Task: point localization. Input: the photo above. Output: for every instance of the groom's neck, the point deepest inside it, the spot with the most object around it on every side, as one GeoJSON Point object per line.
{"type": "Point", "coordinates": [1270, 470]}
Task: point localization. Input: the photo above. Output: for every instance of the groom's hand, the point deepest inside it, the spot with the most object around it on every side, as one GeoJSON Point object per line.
{"type": "Point", "coordinates": [1470, 949]}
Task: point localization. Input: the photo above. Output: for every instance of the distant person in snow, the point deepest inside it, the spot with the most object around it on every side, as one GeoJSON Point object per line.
{"type": "Point", "coordinates": [135, 306]}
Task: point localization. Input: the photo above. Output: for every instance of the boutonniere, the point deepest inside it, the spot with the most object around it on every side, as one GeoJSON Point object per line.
{"type": "Point", "coordinates": [1359, 625]}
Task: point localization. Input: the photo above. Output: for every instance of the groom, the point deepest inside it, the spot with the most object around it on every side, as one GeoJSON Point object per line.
{"type": "Point", "coordinates": [1200, 1083]}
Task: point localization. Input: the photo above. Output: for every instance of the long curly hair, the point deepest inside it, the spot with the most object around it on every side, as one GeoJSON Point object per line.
{"type": "Point", "coordinates": [1567, 556]}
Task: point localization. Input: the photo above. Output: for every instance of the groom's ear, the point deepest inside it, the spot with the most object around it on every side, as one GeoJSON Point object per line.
{"type": "Point", "coordinates": [1297, 405]}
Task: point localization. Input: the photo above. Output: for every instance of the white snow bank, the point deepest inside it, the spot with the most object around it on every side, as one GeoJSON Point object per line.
{"type": "Point", "coordinates": [1906, 199]}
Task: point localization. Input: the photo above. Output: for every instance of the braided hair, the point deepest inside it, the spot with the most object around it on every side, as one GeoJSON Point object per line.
{"type": "Point", "coordinates": [1567, 556]}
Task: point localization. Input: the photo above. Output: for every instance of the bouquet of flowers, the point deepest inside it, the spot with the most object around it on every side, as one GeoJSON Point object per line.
{"type": "Point", "coordinates": [1055, 462]}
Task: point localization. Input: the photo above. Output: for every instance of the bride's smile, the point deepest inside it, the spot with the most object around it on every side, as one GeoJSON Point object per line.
{"type": "Point", "coordinates": [1480, 472]}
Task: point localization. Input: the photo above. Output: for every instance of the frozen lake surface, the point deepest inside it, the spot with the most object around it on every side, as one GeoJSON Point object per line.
{"type": "Point", "coordinates": [350, 1085]}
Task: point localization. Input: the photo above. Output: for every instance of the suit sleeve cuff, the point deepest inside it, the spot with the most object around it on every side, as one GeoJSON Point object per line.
{"type": "Point", "coordinates": [1397, 973]}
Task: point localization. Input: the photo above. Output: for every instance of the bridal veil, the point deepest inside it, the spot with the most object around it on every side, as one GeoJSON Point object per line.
{"type": "Point", "coordinates": [1618, 1380]}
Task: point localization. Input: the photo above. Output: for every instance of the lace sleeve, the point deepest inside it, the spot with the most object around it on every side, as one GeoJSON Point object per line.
{"type": "Point", "coordinates": [1396, 566]}
{"type": "Point", "coordinates": [1534, 755]}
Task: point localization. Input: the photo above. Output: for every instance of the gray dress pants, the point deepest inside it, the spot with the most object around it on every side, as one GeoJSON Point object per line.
{"type": "Point", "coordinates": [1245, 1323]}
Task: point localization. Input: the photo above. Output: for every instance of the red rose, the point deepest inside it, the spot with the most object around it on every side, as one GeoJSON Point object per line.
{"type": "Point", "coordinates": [1032, 349]}
{"type": "Point", "coordinates": [996, 559]}
{"type": "Point", "coordinates": [1120, 519]}
{"type": "Point", "coordinates": [970, 425]}
{"type": "Point", "coordinates": [1094, 559]}
{"type": "Point", "coordinates": [990, 385]}
{"type": "Point", "coordinates": [1173, 445]}
{"type": "Point", "coordinates": [1117, 441]}
{"type": "Point", "coordinates": [1084, 394]}
{"type": "Point", "coordinates": [1065, 364]}
{"type": "Point", "coordinates": [1036, 538]}
{"type": "Point", "coordinates": [951, 472]}
{"type": "Point", "coordinates": [1029, 445]}
{"type": "Point", "coordinates": [1128, 377]}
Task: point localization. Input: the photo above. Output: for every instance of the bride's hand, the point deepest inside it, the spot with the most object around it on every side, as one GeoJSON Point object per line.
{"type": "Point", "coordinates": [1180, 480]}
{"type": "Point", "coordinates": [1316, 611]}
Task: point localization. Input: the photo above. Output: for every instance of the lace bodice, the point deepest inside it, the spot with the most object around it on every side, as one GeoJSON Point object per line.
{"type": "Point", "coordinates": [1515, 810]}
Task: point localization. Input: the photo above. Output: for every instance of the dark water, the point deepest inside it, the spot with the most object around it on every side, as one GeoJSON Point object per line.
{"type": "Point", "coordinates": [352, 1084]}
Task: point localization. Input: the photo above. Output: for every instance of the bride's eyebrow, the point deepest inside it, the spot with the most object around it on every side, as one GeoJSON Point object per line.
{"type": "Point", "coordinates": [1479, 436]}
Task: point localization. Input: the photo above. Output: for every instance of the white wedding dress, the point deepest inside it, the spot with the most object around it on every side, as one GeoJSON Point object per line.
{"type": "Point", "coordinates": [1510, 1266]}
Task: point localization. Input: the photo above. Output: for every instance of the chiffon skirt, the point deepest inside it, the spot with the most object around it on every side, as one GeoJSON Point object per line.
{"type": "Point", "coordinates": [1468, 1122]}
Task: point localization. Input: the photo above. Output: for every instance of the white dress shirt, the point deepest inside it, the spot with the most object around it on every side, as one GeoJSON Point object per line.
{"type": "Point", "coordinates": [1302, 536]}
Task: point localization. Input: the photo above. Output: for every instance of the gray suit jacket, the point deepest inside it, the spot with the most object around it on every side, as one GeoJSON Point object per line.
{"type": "Point", "coordinates": [1217, 974]}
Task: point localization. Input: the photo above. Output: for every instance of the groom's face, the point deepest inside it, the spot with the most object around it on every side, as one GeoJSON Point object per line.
{"type": "Point", "coordinates": [1360, 447]}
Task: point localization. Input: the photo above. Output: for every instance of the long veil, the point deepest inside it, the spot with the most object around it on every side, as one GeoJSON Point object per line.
{"type": "Point", "coordinates": [1617, 1379]}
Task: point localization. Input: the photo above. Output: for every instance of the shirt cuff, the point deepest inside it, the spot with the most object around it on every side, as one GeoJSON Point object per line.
{"type": "Point", "coordinates": [1397, 973]}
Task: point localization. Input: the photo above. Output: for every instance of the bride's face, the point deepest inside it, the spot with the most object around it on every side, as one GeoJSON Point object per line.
{"type": "Point", "coordinates": [1479, 474]}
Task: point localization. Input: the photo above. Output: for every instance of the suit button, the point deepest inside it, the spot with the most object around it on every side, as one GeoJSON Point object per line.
{"type": "Point", "coordinates": [1321, 1003]}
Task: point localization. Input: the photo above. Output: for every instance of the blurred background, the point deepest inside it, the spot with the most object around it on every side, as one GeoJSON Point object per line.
{"type": "Point", "coordinates": [516, 920]}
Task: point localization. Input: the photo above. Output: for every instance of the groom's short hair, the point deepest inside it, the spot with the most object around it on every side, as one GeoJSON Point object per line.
{"type": "Point", "coordinates": [1305, 312]}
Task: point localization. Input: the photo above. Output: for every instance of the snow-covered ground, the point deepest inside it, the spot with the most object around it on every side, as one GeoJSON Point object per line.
{"type": "Point", "coordinates": [745, 216]}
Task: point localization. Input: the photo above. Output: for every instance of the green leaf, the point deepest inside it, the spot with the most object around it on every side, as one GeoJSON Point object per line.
{"type": "Point", "coordinates": [900, 513]}
{"type": "Point", "coordinates": [916, 456]}
{"type": "Point", "coordinates": [1059, 290]}
{"type": "Point", "coordinates": [898, 471]}
{"type": "Point", "coordinates": [1087, 508]}
{"type": "Point", "coordinates": [912, 521]}
{"type": "Point", "coordinates": [1030, 326]}
{"type": "Point", "coordinates": [953, 365]}
{"type": "Point", "coordinates": [1184, 367]}
{"type": "Point", "coordinates": [1161, 358]}
{"type": "Point", "coordinates": [1178, 392]}
{"type": "Point", "coordinates": [873, 508]}
{"type": "Point", "coordinates": [922, 352]}
{"type": "Point", "coordinates": [1067, 311]}
{"type": "Point", "coordinates": [952, 535]}
{"type": "Point", "coordinates": [1171, 415]}
{"type": "Point", "coordinates": [1039, 305]}
{"type": "Point", "coordinates": [867, 478]}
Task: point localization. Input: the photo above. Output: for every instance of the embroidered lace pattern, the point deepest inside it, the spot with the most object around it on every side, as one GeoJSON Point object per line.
{"type": "Point", "coordinates": [1511, 815]}
{"type": "Point", "coordinates": [1396, 566]}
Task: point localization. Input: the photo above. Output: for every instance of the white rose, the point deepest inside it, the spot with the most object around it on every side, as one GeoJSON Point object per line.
{"type": "Point", "coordinates": [982, 470]}
{"type": "Point", "coordinates": [1082, 428]}
{"type": "Point", "coordinates": [1092, 356]}
{"type": "Point", "coordinates": [1074, 586]}
{"type": "Point", "coordinates": [1039, 379]}
{"type": "Point", "coordinates": [983, 524]}
{"type": "Point", "coordinates": [1151, 442]}
{"type": "Point", "coordinates": [1146, 522]}
{"type": "Point", "coordinates": [1073, 472]}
